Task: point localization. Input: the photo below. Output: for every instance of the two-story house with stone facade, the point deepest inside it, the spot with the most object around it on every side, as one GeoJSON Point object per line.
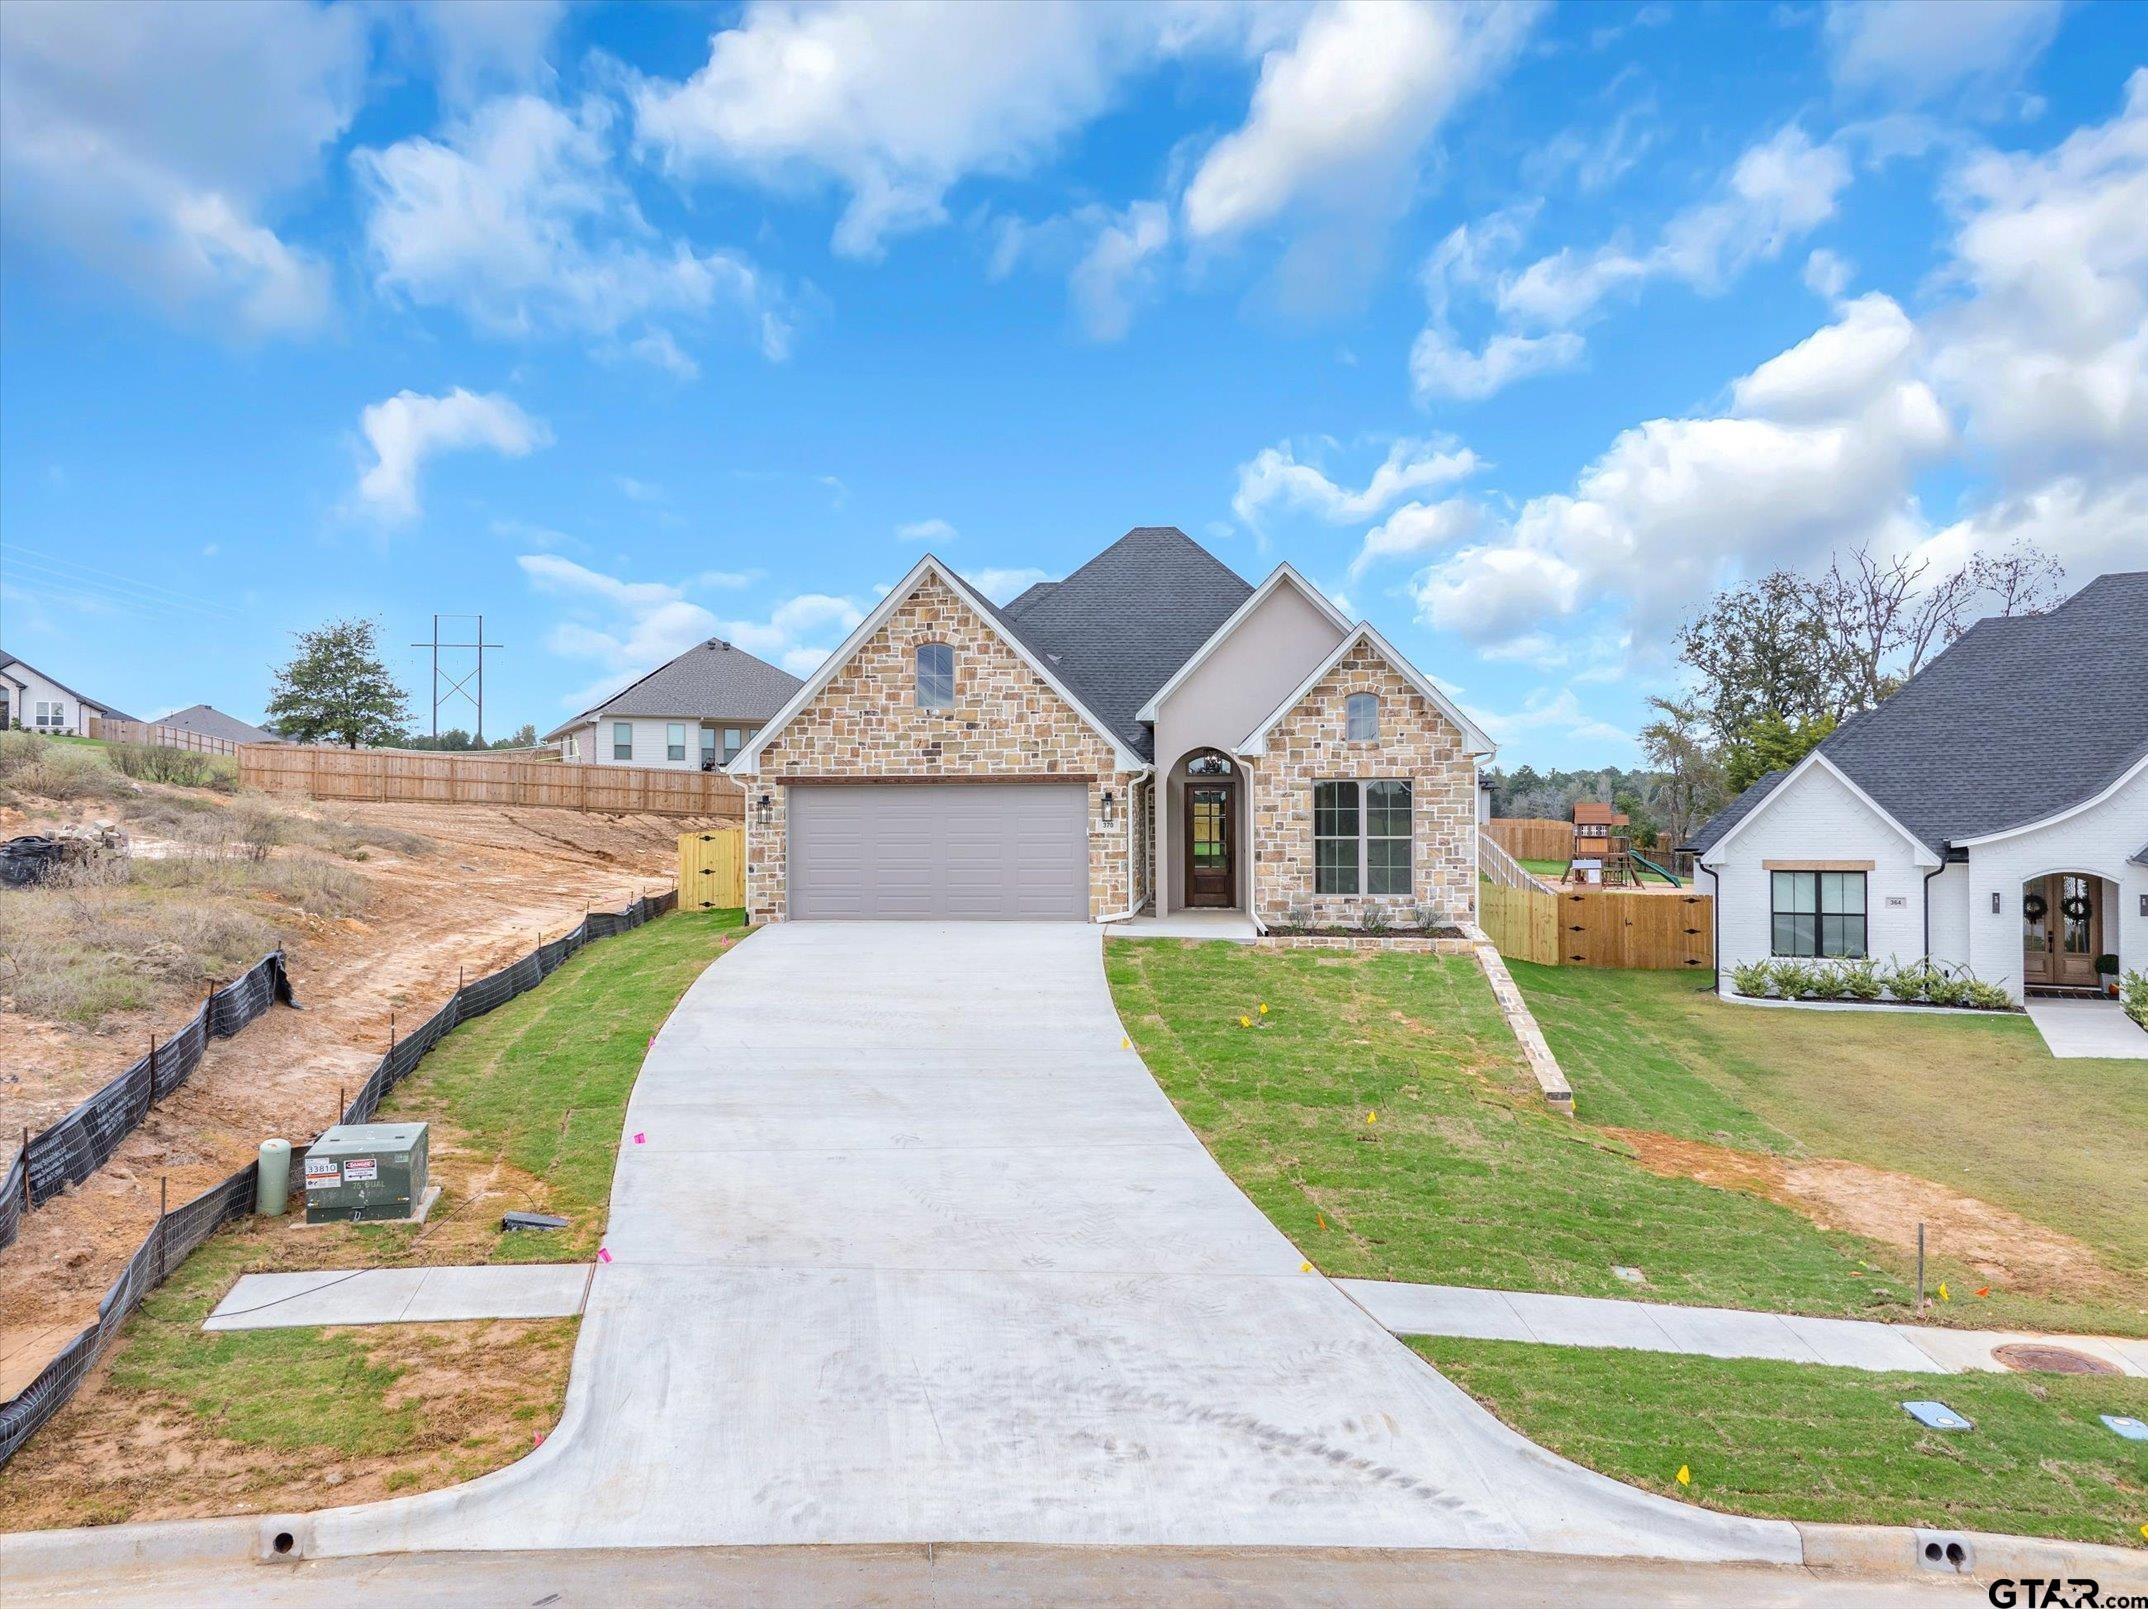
{"type": "Point", "coordinates": [1152, 733]}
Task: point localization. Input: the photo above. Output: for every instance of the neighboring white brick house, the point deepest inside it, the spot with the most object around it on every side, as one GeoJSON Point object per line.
{"type": "Point", "coordinates": [36, 702]}
{"type": "Point", "coordinates": [1992, 815]}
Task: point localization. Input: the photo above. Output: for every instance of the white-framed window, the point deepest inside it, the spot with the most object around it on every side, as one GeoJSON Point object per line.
{"type": "Point", "coordinates": [734, 739]}
{"type": "Point", "coordinates": [708, 747]}
{"type": "Point", "coordinates": [622, 740]}
{"type": "Point", "coordinates": [1361, 837]}
{"type": "Point", "coordinates": [574, 746]}
{"type": "Point", "coordinates": [675, 740]}
{"type": "Point", "coordinates": [1818, 913]}
{"type": "Point", "coordinates": [1361, 717]}
{"type": "Point", "coordinates": [935, 676]}
{"type": "Point", "coordinates": [51, 715]}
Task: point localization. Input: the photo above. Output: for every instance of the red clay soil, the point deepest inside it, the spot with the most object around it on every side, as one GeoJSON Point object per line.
{"type": "Point", "coordinates": [494, 881]}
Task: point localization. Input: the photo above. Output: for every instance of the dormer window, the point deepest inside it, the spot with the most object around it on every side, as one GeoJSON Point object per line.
{"type": "Point", "coordinates": [935, 676]}
{"type": "Point", "coordinates": [1361, 716]}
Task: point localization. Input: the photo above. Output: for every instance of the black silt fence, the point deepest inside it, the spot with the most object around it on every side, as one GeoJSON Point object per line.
{"type": "Point", "coordinates": [83, 1141]}
{"type": "Point", "coordinates": [182, 1229]}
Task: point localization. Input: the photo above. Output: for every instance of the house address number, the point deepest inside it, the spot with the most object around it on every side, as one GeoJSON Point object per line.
{"type": "Point", "coordinates": [1898, 902]}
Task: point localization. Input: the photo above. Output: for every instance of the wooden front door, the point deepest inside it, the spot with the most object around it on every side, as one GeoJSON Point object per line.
{"type": "Point", "coordinates": [1209, 873]}
{"type": "Point", "coordinates": [2061, 931]}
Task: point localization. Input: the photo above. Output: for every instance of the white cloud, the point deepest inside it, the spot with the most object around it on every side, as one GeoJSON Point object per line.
{"type": "Point", "coordinates": [151, 141]}
{"type": "Point", "coordinates": [1828, 273]}
{"type": "Point", "coordinates": [1416, 528]}
{"type": "Point", "coordinates": [1342, 112]}
{"type": "Point", "coordinates": [628, 628]}
{"type": "Point", "coordinates": [1910, 51]}
{"type": "Point", "coordinates": [516, 219]}
{"type": "Point", "coordinates": [1833, 372]}
{"type": "Point", "coordinates": [1776, 192]}
{"type": "Point", "coordinates": [486, 44]}
{"type": "Point", "coordinates": [1545, 713]}
{"type": "Point", "coordinates": [2047, 351]}
{"type": "Point", "coordinates": [1274, 480]}
{"type": "Point", "coordinates": [1119, 269]}
{"type": "Point", "coordinates": [896, 104]}
{"type": "Point", "coordinates": [927, 531]}
{"type": "Point", "coordinates": [1002, 585]}
{"type": "Point", "coordinates": [409, 428]}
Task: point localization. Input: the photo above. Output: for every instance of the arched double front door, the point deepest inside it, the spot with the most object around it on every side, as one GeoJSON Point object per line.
{"type": "Point", "coordinates": [2061, 930]}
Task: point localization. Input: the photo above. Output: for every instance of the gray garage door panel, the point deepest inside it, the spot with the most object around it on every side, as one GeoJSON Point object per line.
{"type": "Point", "coordinates": [1013, 851]}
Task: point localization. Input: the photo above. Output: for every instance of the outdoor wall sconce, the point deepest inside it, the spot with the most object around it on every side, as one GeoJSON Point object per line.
{"type": "Point", "coordinates": [2144, 905]}
{"type": "Point", "coordinates": [1995, 904]}
{"type": "Point", "coordinates": [767, 807]}
{"type": "Point", "coordinates": [1107, 807]}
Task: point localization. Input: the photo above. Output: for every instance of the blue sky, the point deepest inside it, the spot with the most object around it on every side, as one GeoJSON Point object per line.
{"type": "Point", "coordinates": [1517, 328]}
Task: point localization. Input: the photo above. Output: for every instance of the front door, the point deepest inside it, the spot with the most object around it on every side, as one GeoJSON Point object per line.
{"type": "Point", "coordinates": [1209, 879]}
{"type": "Point", "coordinates": [2061, 931]}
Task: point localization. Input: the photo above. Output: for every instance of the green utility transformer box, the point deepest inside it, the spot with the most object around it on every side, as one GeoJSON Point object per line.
{"type": "Point", "coordinates": [358, 1172]}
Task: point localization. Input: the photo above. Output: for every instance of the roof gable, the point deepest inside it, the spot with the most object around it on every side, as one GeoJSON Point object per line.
{"type": "Point", "coordinates": [1924, 854]}
{"type": "Point", "coordinates": [748, 761]}
{"type": "Point", "coordinates": [1256, 741]}
{"type": "Point", "coordinates": [1120, 626]}
{"type": "Point", "coordinates": [1281, 575]}
{"type": "Point", "coordinates": [210, 721]}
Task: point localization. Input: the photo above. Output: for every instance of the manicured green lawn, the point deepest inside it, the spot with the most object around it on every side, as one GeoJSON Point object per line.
{"type": "Point", "coordinates": [527, 1105]}
{"type": "Point", "coordinates": [1797, 1441]}
{"type": "Point", "coordinates": [1976, 1104]}
{"type": "Point", "coordinates": [1464, 1178]}
{"type": "Point", "coordinates": [1553, 869]}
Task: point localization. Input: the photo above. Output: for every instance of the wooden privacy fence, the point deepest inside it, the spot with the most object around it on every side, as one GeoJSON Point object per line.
{"type": "Point", "coordinates": [114, 730]}
{"type": "Point", "coordinates": [405, 776]}
{"type": "Point", "coordinates": [1600, 927]}
{"type": "Point", "coordinates": [1532, 837]}
{"type": "Point", "coordinates": [712, 869]}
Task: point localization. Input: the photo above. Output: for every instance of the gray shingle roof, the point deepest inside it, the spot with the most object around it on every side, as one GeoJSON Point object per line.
{"type": "Point", "coordinates": [1730, 815]}
{"type": "Point", "coordinates": [1116, 629]}
{"type": "Point", "coordinates": [2018, 720]}
{"type": "Point", "coordinates": [710, 681]}
{"type": "Point", "coordinates": [213, 722]}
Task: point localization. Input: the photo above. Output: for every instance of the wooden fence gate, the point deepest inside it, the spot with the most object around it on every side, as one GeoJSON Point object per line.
{"type": "Point", "coordinates": [712, 870]}
{"type": "Point", "coordinates": [1600, 927]}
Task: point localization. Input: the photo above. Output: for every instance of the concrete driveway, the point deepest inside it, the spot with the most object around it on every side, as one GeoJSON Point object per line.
{"type": "Point", "coordinates": [914, 1250]}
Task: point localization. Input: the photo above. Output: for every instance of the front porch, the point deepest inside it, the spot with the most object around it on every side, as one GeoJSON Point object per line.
{"type": "Point", "coordinates": [1231, 927]}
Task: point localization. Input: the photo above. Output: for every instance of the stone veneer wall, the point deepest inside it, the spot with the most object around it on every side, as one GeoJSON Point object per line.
{"type": "Point", "coordinates": [1417, 742]}
{"type": "Point", "coordinates": [1006, 721]}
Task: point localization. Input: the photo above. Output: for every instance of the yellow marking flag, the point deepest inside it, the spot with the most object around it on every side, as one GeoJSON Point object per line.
{"type": "Point", "coordinates": [1685, 1476]}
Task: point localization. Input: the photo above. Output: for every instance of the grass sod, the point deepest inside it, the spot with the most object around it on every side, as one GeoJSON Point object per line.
{"type": "Point", "coordinates": [1552, 869]}
{"type": "Point", "coordinates": [1801, 1442]}
{"type": "Point", "coordinates": [1974, 1103]}
{"type": "Point", "coordinates": [1464, 1178]}
{"type": "Point", "coordinates": [534, 1094]}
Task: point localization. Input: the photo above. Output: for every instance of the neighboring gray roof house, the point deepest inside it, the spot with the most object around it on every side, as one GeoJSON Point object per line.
{"type": "Point", "coordinates": [2021, 717]}
{"type": "Point", "coordinates": [23, 680]}
{"type": "Point", "coordinates": [212, 722]}
{"type": "Point", "coordinates": [712, 681]}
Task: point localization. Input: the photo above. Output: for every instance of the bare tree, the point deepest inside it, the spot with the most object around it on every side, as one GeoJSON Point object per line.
{"type": "Point", "coordinates": [1882, 625]}
{"type": "Point", "coordinates": [2024, 580]}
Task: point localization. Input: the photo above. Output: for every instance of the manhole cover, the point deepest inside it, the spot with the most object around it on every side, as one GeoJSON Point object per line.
{"type": "Point", "coordinates": [2031, 1358]}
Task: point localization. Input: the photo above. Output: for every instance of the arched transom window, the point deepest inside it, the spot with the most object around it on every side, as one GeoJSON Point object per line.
{"type": "Point", "coordinates": [935, 676]}
{"type": "Point", "coordinates": [1362, 717]}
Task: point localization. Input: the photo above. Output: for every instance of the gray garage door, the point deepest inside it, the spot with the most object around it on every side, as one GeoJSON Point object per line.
{"type": "Point", "coordinates": [993, 851]}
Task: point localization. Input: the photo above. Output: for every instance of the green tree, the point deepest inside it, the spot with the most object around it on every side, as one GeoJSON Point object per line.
{"type": "Point", "coordinates": [1771, 743]}
{"type": "Point", "coordinates": [335, 687]}
{"type": "Point", "coordinates": [523, 737]}
{"type": "Point", "coordinates": [1677, 744]}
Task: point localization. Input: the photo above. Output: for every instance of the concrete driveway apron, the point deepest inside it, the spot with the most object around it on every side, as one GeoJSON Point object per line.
{"type": "Point", "coordinates": [914, 1250]}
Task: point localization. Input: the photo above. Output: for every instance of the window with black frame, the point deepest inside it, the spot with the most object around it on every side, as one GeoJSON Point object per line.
{"type": "Point", "coordinates": [1361, 837]}
{"type": "Point", "coordinates": [1818, 913]}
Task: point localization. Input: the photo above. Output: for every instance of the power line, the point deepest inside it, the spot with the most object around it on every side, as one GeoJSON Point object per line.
{"type": "Point", "coordinates": [447, 684]}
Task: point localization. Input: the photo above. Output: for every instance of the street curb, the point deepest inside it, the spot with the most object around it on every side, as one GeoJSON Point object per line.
{"type": "Point", "coordinates": [1896, 1550]}
{"type": "Point", "coordinates": [28, 1557]}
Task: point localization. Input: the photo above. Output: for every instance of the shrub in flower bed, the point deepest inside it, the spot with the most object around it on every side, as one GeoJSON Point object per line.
{"type": "Point", "coordinates": [2133, 995]}
{"type": "Point", "coordinates": [1920, 983]}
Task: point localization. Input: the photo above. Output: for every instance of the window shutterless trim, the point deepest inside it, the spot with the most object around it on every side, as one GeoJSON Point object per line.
{"type": "Point", "coordinates": [1361, 808]}
{"type": "Point", "coordinates": [1813, 926]}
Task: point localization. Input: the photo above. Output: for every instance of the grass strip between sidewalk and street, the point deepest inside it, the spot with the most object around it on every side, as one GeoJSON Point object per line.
{"type": "Point", "coordinates": [1798, 1441]}
{"type": "Point", "coordinates": [526, 1106]}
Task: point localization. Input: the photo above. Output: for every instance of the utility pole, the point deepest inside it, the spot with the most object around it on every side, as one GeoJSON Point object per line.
{"type": "Point", "coordinates": [448, 685]}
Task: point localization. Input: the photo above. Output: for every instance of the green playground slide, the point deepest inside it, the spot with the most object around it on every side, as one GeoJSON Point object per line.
{"type": "Point", "coordinates": [1646, 864]}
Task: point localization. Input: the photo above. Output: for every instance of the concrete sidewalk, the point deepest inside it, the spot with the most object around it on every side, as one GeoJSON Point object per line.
{"type": "Point", "coordinates": [1715, 1332]}
{"type": "Point", "coordinates": [2099, 1028]}
{"type": "Point", "coordinates": [402, 1296]}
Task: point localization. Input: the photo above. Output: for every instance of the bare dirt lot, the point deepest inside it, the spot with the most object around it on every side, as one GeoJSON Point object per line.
{"type": "Point", "coordinates": [436, 891]}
